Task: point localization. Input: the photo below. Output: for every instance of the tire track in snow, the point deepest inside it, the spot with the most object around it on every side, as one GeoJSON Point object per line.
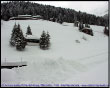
{"type": "Point", "coordinates": [93, 56]}
{"type": "Point", "coordinates": [94, 60]}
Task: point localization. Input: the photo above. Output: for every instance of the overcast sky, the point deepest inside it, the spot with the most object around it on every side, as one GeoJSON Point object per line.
{"type": "Point", "coordinates": [93, 7]}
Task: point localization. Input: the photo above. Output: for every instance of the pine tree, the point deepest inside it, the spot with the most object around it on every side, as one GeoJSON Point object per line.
{"type": "Point", "coordinates": [20, 43]}
{"type": "Point", "coordinates": [60, 19]}
{"type": "Point", "coordinates": [29, 30]}
{"type": "Point", "coordinates": [20, 40]}
{"type": "Point", "coordinates": [48, 39]}
{"type": "Point", "coordinates": [13, 35]}
{"type": "Point", "coordinates": [44, 40]}
{"type": "Point", "coordinates": [81, 26]}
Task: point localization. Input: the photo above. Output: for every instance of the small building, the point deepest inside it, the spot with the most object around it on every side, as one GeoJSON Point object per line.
{"type": "Point", "coordinates": [26, 17]}
{"type": "Point", "coordinates": [21, 17]}
{"type": "Point", "coordinates": [36, 17]}
{"type": "Point", "coordinates": [12, 18]}
{"type": "Point", "coordinates": [32, 40]}
{"type": "Point", "coordinates": [87, 31]}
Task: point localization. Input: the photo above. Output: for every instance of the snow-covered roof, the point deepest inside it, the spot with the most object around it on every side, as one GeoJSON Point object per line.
{"type": "Point", "coordinates": [86, 28]}
{"type": "Point", "coordinates": [37, 16]}
{"type": "Point", "coordinates": [12, 17]}
{"type": "Point", "coordinates": [31, 37]}
{"type": "Point", "coordinates": [24, 15]}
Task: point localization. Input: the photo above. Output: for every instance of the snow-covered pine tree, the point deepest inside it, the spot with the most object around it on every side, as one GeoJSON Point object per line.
{"type": "Point", "coordinates": [48, 39]}
{"type": "Point", "coordinates": [60, 18]}
{"type": "Point", "coordinates": [20, 43]}
{"type": "Point", "coordinates": [29, 30]}
{"type": "Point", "coordinates": [20, 40]}
{"type": "Point", "coordinates": [13, 35]}
{"type": "Point", "coordinates": [43, 41]}
{"type": "Point", "coordinates": [81, 26]}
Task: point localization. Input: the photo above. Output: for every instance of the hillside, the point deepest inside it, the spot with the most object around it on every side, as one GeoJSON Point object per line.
{"type": "Point", "coordinates": [15, 8]}
{"type": "Point", "coordinates": [66, 61]}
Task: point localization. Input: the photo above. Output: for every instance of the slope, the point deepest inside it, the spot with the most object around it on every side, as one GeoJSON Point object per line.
{"type": "Point", "coordinates": [64, 60]}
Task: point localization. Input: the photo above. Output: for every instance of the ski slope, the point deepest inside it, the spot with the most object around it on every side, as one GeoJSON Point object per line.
{"type": "Point", "coordinates": [66, 61]}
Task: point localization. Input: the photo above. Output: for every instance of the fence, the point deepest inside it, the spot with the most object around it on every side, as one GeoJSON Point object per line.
{"type": "Point", "coordinates": [13, 64]}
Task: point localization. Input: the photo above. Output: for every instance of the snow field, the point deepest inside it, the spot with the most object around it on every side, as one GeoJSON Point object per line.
{"type": "Point", "coordinates": [66, 61]}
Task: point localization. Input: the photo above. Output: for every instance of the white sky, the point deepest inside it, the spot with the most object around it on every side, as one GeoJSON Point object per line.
{"type": "Point", "coordinates": [93, 7]}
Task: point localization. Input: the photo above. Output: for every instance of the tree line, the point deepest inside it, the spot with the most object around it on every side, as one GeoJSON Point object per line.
{"type": "Point", "coordinates": [15, 8]}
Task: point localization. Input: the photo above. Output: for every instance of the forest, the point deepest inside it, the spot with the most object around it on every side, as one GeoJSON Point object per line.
{"type": "Point", "coordinates": [58, 14]}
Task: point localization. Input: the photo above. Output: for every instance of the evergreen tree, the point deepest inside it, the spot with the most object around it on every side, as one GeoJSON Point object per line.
{"type": "Point", "coordinates": [13, 35]}
{"type": "Point", "coordinates": [20, 40]}
{"type": "Point", "coordinates": [48, 39]}
{"type": "Point", "coordinates": [60, 19]}
{"type": "Point", "coordinates": [75, 20]}
{"type": "Point", "coordinates": [44, 40]}
{"type": "Point", "coordinates": [20, 43]}
{"type": "Point", "coordinates": [81, 26]}
{"type": "Point", "coordinates": [17, 38]}
{"type": "Point", "coordinates": [29, 30]}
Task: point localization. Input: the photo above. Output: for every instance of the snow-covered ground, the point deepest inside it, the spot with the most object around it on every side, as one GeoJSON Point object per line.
{"type": "Point", "coordinates": [66, 62]}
